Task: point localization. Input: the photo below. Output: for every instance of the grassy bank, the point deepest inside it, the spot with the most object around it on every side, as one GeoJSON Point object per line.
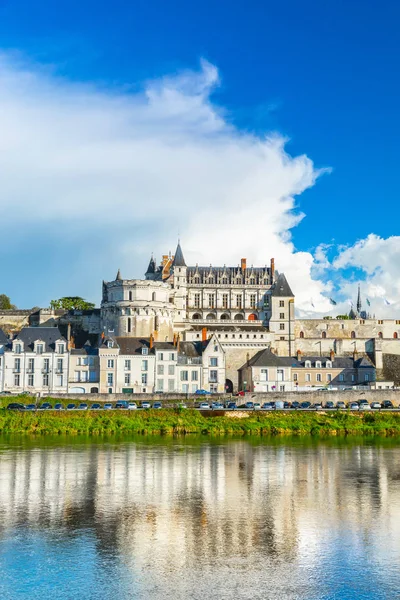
{"type": "Point", "coordinates": [173, 422]}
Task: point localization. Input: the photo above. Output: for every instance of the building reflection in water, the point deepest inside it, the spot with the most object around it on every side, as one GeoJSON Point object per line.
{"type": "Point", "coordinates": [165, 509]}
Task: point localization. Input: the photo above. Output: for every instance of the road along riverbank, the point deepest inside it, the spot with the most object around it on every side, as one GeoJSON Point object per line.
{"type": "Point", "coordinates": [187, 421]}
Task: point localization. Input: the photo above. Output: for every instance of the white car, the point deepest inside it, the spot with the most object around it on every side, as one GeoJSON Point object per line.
{"type": "Point", "coordinates": [132, 406]}
{"type": "Point", "coordinates": [204, 406]}
{"type": "Point", "coordinates": [364, 406]}
{"type": "Point", "coordinates": [257, 406]}
{"type": "Point", "coordinates": [376, 405]}
{"type": "Point", "coordinates": [146, 405]}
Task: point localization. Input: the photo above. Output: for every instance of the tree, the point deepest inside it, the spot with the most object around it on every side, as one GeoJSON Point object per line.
{"type": "Point", "coordinates": [5, 302]}
{"type": "Point", "coordinates": [71, 303]}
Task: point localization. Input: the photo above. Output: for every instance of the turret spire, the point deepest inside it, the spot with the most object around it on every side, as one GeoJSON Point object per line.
{"type": "Point", "coordinates": [359, 300]}
{"type": "Point", "coordinates": [118, 277]}
{"type": "Point", "coordinates": [179, 260]}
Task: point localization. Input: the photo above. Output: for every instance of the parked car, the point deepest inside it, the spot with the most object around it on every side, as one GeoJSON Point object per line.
{"type": "Point", "coordinates": [387, 404]}
{"type": "Point", "coordinates": [217, 406]}
{"type": "Point", "coordinates": [96, 406]}
{"type": "Point", "coordinates": [146, 405]}
{"type": "Point", "coordinates": [70, 406]}
{"type": "Point", "coordinates": [83, 406]}
{"type": "Point", "coordinates": [257, 406]}
{"type": "Point", "coordinates": [202, 393]}
{"type": "Point", "coordinates": [329, 404]}
{"type": "Point", "coordinates": [122, 404]}
{"type": "Point", "coordinates": [295, 404]}
{"type": "Point", "coordinates": [157, 405]}
{"type": "Point", "coordinates": [364, 406]}
{"type": "Point", "coordinates": [132, 406]}
{"type": "Point", "coordinates": [376, 405]}
{"type": "Point", "coordinates": [340, 404]}
{"type": "Point", "coordinates": [286, 405]}
{"type": "Point", "coordinates": [249, 405]}
{"type": "Point", "coordinates": [15, 406]}
{"type": "Point", "coordinates": [317, 405]}
{"type": "Point", "coordinates": [354, 406]}
{"type": "Point", "coordinates": [58, 406]}
{"type": "Point", "coordinates": [204, 406]}
{"type": "Point", "coordinates": [231, 405]}
{"type": "Point", "coordinates": [45, 406]}
{"type": "Point", "coordinates": [305, 405]}
{"type": "Point", "coordinates": [30, 407]}
{"type": "Point", "coordinates": [267, 406]}
{"type": "Point", "coordinates": [107, 406]}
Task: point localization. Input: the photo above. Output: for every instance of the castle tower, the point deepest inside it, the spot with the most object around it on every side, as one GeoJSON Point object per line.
{"type": "Point", "coordinates": [282, 319]}
{"type": "Point", "coordinates": [179, 273]}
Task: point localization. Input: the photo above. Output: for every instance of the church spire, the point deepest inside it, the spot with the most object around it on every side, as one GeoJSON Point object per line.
{"type": "Point", "coordinates": [152, 266]}
{"type": "Point", "coordinates": [118, 277]}
{"type": "Point", "coordinates": [359, 300]}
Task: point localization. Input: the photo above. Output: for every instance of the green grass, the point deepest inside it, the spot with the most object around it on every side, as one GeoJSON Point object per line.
{"type": "Point", "coordinates": [175, 422]}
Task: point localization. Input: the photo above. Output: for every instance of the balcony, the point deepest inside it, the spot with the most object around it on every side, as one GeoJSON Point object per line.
{"type": "Point", "coordinates": [188, 360]}
{"type": "Point", "coordinates": [17, 370]}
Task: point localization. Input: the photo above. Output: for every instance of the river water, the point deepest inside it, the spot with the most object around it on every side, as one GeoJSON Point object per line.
{"type": "Point", "coordinates": [192, 518]}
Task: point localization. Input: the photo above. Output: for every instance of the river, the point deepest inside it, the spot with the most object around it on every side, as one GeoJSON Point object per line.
{"type": "Point", "coordinates": [194, 518]}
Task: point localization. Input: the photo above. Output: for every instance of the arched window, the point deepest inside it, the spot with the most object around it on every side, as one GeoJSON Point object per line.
{"type": "Point", "coordinates": [353, 335]}
{"type": "Point", "coordinates": [380, 334]}
{"type": "Point", "coordinates": [302, 334]}
{"type": "Point", "coordinates": [395, 335]}
{"type": "Point", "coordinates": [224, 316]}
{"type": "Point", "coordinates": [196, 316]}
{"type": "Point", "coordinates": [323, 334]}
{"type": "Point", "coordinates": [239, 317]}
{"type": "Point", "coordinates": [252, 317]}
{"type": "Point", "coordinates": [211, 316]}
{"type": "Point", "coordinates": [153, 296]}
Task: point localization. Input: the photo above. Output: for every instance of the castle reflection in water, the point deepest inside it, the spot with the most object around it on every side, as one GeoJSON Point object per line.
{"type": "Point", "coordinates": [174, 504]}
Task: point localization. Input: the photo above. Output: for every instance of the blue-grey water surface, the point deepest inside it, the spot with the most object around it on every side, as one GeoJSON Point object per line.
{"type": "Point", "coordinates": [180, 519]}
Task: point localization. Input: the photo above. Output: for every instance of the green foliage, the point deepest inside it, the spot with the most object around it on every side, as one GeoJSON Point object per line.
{"type": "Point", "coordinates": [175, 421]}
{"type": "Point", "coordinates": [343, 317]}
{"type": "Point", "coordinates": [71, 303]}
{"type": "Point", "coordinates": [5, 302]}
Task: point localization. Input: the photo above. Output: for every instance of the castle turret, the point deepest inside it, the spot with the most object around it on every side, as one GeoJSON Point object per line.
{"type": "Point", "coordinates": [179, 270]}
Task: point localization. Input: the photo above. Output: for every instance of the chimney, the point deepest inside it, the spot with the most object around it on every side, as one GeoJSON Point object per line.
{"type": "Point", "coordinates": [155, 335]}
{"type": "Point", "coordinates": [243, 264]}
{"type": "Point", "coordinates": [69, 336]}
{"type": "Point", "coordinates": [298, 354]}
{"type": "Point", "coordinates": [248, 359]}
{"type": "Point", "coordinates": [178, 343]}
{"type": "Point", "coordinates": [174, 342]}
{"type": "Point", "coordinates": [204, 334]}
{"type": "Point", "coordinates": [355, 354]}
{"type": "Point", "coordinates": [272, 269]}
{"type": "Point", "coordinates": [72, 342]}
{"type": "Point", "coordinates": [151, 341]}
{"type": "Point", "coordinates": [332, 355]}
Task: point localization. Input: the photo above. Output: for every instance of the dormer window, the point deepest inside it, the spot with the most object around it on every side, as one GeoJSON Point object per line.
{"type": "Point", "coordinates": [60, 348]}
{"type": "Point", "coordinates": [18, 348]}
{"type": "Point", "coordinates": [252, 281]}
{"type": "Point", "coordinates": [318, 364]}
{"type": "Point", "coordinates": [328, 364]}
{"type": "Point", "coordinates": [308, 364]}
{"type": "Point", "coordinates": [224, 281]}
{"type": "Point", "coordinates": [39, 348]}
{"type": "Point", "coordinates": [145, 351]}
{"type": "Point", "coordinates": [215, 348]}
{"type": "Point", "coordinates": [110, 344]}
{"type": "Point", "coordinates": [197, 279]}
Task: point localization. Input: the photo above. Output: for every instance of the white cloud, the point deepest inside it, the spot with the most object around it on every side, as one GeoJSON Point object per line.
{"type": "Point", "coordinates": [143, 166]}
{"type": "Point", "coordinates": [379, 260]}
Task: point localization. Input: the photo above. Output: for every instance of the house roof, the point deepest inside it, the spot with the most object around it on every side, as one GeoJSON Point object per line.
{"type": "Point", "coordinates": [130, 345]}
{"type": "Point", "coordinates": [266, 358]}
{"type": "Point", "coordinates": [3, 338]}
{"type": "Point", "coordinates": [281, 287]}
{"type": "Point", "coordinates": [48, 335]}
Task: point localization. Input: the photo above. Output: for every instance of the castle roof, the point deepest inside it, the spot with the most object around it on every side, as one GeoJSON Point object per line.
{"type": "Point", "coordinates": [179, 260]}
{"type": "Point", "coordinates": [3, 338]}
{"type": "Point", "coordinates": [282, 288]}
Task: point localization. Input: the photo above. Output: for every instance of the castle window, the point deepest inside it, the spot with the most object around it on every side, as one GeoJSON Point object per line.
{"type": "Point", "coordinates": [211, 300]}
{"type": "Point", "coordinates": [380, 334]}
{"type": "Point", "coordinates": [130, 295]}
{"type": "Point", "coordinates": [129, 325]}
{"type": "Point", "coordinates": [323, 334]}
{"type": "Point", "coordinates": [395, 335]}
{"type": "Point", "coordinates": [109, 344]}
{"type": "Point", "coordinates": [281, 315]}
{"type": "Point", "coordinates": [353, 335]}
{"type": "Point", "coordinates": [153, 296]}
{"type": "Point", "coordinates": [281, 303]}
{"type": "Point", "coordinates": [302, 334]}
{"type": "Point", "coordinates": [252, 281]}
{"type": "Point", "coordinates": [281, 326]}
{"type": "Point", "coordinates": [224, 281]}
{"type": "Point", "coordinates": [252, 301]}
{"type": "Point", "coordinates": [197, 300]}
{"type": "Point", "coordinates": [224, 300]}
{"type": "Point", "coordinates": [197, 280]}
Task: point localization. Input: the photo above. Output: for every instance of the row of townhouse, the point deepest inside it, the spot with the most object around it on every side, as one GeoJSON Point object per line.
{"type": "Point", "coordinates": [267, 372]}
{"type": "Point", "coordinates": [41, 360]}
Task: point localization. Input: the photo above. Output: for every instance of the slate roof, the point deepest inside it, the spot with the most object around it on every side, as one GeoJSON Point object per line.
{"type": "Point", "coordinates": [281, 287]}
{"type": "Point", "coordinates": [49, 335]}
{"type": "Point", "coordinates": [3, 338]}
{"type": "Point", "coordinates": [266, 358]}
{"type": "Point", "coordinates": [179, 260]}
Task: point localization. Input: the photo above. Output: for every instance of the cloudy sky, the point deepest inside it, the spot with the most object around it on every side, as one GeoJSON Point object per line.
{"type": "Point", "coordinates": [120, 132]}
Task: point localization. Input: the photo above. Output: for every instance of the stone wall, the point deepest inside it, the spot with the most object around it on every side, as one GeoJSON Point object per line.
{"type": "Point", "coordinates": [391, 368]}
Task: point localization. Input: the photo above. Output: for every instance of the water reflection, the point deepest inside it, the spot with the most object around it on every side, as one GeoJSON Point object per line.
{"type": "Point", "coordinates": [235, 519]}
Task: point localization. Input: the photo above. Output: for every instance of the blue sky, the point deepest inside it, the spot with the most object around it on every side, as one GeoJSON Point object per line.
{"type": "Point", "coordinates": [324, 75]}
